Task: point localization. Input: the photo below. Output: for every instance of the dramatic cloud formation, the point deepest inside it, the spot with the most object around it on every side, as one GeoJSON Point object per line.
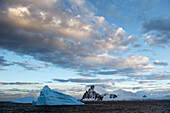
{"type": "Point", "coordinates": [67, 35]}
{"type": "Point", "coordinates": [158, 31]}
{"type": "Point", "coordinates": [83, 42]}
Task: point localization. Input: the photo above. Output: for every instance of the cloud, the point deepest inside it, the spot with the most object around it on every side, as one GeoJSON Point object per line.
{"type": "Point", "coordinates": [4, 62]}
{"type": "Point", "coordinates": [106, 86]}
{"type": "Point", "coordinates": [137, 45]}
{"type": "Point", "coordinates": [87, 75]}
{"type": "Point", "coordinates": [18, 83]}
{"type": "Point", "coordinates": [68, 35]}
{"type": "Point", "coordinates": [129, 65]}
{"type": "Point", "coordinates": [76, 89]}
{"type": "Point", "coordinates": [85, 80]}
{"type": "Point", "coordinates": [31, 66]}
{"type": "Point", "coordinates": [120, 71]}
{"type": "Point", "coordinates": [146, 50]}
{"type": "Point", "coordinates": [158, 31]}
{"type": "Point", "coordinates": [158, 76]}
{"type": "Point", "coordinates": [23, 90]}
{"type": "Point", "coordinates": [26, 65]}
{"type": "Point", "coordinates": [163, 63]}
{"type": "Point", "coordinates": [17, 93]}
{"type": "Point", "coordinates": [151, 76]}
{"type": "Point", "coordinates": [136, 88]}
{"type": "Point", "coordinates": [1, 69]}
{"type": "Point", "coordinates": [91, 80]}
{"type": "Point", "coordinates": [145, 82]}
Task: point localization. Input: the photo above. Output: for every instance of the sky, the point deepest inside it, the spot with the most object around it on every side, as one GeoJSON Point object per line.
{"type": "Point", "coordinates": [72, 44]}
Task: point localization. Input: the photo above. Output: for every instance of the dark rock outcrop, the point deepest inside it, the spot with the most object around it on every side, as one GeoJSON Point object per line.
{"type": "Point", "coordinates": [144, 96]}
{"type": "Point", "coordinates": [92, 94]}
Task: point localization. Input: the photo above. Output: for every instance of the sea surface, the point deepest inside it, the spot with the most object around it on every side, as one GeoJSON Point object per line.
{"type": "Point", "coordinates": [160, 106]}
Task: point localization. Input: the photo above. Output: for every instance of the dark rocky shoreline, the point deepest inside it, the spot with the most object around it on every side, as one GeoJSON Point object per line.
{"type": "Point", "coordinates": [156, 106]}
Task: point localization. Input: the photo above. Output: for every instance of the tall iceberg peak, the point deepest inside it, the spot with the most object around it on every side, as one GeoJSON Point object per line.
{"type": "Point", "coordinates": [52, 97]}
{"type": "Point", "coordinates": [45, 89]}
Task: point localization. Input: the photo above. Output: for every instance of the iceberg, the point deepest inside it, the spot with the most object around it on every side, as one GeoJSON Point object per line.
{"type": "Point", "coordinates": [23, 100]}
{"type": "Point", "coordinates": [52, 97]}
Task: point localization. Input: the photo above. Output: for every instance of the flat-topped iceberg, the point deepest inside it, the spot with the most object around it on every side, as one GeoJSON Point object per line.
{"type": "Point", "coordinates": [52, 97]}
{"type": "Point", "coordinates": [23, 100]}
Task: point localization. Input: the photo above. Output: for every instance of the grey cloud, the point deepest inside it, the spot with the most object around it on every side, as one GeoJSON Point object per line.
{"type": "Point", "coordinates": [61, 80]}
{"type": "Point", "coordinates": [76, 89]}
{"type": "Point", "coordinates": [136, 88]}
{"type": "Point", "coordinates": [1, 69]}
{"type": "Point", "coordinates": [155, 76]}
{"type": "Point", "coordinates": [146, 50]}
{"type": "Point", "coordinates": [160, 29]}
{"type": "Point", "coordinates": [137, 45]}
{"type": "Point", "coordinates": [86, 75]}
{"type": "Point", "coordinates": [17, 93]}
{"type": "Point", "coordinates": [23, 90]}
{"type": "Point", "coordinates": [25, 65]}
{"type": "Point", "coordinates": [31, 66]}
{"type": "Point", "coordinates": [4, 62]}
{"type": "Point", "coordinates": [107, 86]}
{"type": "Point", "coordinates": [152, 76]}
{"type": "Point", "coordinates": [47, 81]}
{"type": "Point", "coordinates": [18, 83]}
{"type": "Point", "coordinates": [161, 24]}
{"type": "Point", "coordinates": [145, 82]}
{"type": "Point", "coordinates": [84, 80]}
{"type": "Point", "coordinates": [121, 71]}
{"type": "Point", "coordinates": [163, 63]}
{"type": "Point", "coordinates": [158, 76]}
{"type": "Point", "coordinates": [125, 71]}
{"type": "Point", "coordinates": [9, 97]}
{"type": "Point", "coordinates": [97, 80]}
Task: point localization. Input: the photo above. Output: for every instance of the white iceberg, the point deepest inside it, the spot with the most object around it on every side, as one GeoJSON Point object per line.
{"type": "Point", "coordinates": [23, 100]}
{"type": "Point", "coordinates": [52, 97]}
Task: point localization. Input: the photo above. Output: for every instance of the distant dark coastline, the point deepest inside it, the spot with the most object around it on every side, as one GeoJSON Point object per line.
{"type": "Point", "coordinates": [150, 106]}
